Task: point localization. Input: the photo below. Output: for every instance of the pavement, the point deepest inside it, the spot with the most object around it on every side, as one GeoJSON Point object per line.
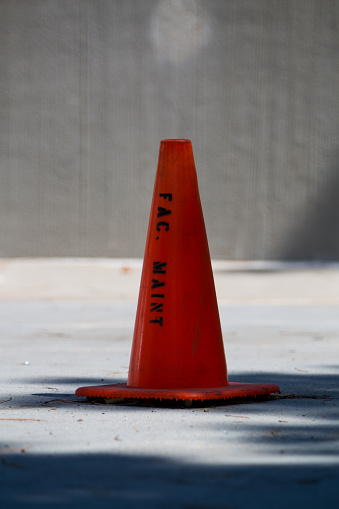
{"type": "Point", "coordinates": [68, 323]}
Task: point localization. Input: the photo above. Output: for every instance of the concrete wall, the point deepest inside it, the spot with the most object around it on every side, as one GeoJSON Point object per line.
{"type": "Point", "coordinates": [89, 88]}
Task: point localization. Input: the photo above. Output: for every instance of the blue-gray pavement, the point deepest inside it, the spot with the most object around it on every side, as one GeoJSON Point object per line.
{"type": "Point", "coordinates": [61, 451]}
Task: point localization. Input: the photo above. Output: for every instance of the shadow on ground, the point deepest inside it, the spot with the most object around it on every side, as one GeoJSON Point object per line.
{"type": "Point", "coordinates": [113, 480]}
{"type": "Point", "coordinates": [301, 424]}
{"type": "Point", "coordinates": [312, 396]}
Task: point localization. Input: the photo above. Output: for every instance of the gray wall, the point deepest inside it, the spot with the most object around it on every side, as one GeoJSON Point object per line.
{"type": "Point", "coordinates": [89, 88]}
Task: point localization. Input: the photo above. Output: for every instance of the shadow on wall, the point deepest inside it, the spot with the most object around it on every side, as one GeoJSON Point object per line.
{"type": "Point", "coordinates": [315, 235]}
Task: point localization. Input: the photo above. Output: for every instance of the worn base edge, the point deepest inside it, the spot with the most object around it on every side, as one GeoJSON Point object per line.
{"type": "Point", "coordinates": [232, 390]}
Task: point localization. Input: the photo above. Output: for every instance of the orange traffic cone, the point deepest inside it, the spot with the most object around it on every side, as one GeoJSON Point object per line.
{"type": "Point", "coordinates": [177, 350]}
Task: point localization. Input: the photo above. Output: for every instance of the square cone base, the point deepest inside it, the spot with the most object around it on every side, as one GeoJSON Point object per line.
{"type": "Point", "coordinates": [232, 390]}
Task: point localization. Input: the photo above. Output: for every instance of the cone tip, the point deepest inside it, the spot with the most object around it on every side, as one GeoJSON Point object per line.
{"type": "Point", "coordinates": [175, 141]}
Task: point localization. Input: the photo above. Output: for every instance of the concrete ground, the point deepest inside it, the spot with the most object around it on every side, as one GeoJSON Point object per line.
{"type": "Point", "coordinates": [69, 323]}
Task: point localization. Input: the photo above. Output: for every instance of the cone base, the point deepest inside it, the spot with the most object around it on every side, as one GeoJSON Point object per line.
{"type": "Point", "coordinates": [232, 390]}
